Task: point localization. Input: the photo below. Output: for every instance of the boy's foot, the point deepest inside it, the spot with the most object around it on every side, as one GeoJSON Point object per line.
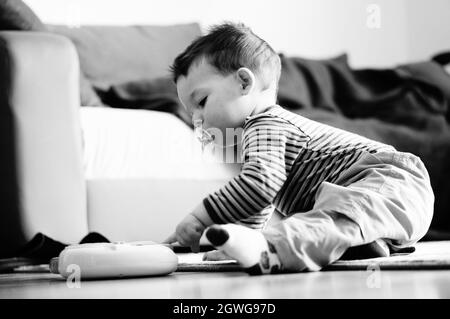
{"type": "Point", "coordinates": [248, 246]}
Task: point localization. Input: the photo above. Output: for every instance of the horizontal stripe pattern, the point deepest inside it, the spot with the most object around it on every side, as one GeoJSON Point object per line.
{"type": "Point", "coordinates": [285, 159]}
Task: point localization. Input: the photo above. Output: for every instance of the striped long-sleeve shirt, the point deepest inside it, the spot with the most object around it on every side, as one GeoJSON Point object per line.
{"type": "Point", "coordinates": [285, 159]}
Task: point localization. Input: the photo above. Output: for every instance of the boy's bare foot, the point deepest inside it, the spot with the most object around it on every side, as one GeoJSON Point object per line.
{"type": "Point", "coordinates": [248, 246]}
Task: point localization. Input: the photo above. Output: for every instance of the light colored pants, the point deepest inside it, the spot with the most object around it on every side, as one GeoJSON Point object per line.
{"type": "Point", "coordinates": [385, 195]}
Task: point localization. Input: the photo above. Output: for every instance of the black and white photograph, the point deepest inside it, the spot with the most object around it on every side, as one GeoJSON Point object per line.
{"type": "Point", "coordinates": [224, 156]}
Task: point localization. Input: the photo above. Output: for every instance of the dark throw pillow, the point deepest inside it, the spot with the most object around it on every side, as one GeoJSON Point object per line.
{"type": "Point", "coordinates": [16, 15]}
{"type": "Point", "coordinates": [159, 94]}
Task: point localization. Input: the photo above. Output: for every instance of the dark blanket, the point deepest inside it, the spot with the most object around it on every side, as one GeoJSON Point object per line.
{"type": "Point", "coordinates": [406, 106]}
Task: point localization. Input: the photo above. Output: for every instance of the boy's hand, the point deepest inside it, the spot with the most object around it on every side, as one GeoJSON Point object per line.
{"type": "Point", "coordinates": [216, 255]}
{"type": "Point", "coordinates": [188, 233]}
{"type": "Point", "coordinates": [190, 229]}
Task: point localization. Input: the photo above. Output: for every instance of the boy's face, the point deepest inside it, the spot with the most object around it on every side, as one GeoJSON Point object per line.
{"type": "Point", "coordinates": [215, 99]}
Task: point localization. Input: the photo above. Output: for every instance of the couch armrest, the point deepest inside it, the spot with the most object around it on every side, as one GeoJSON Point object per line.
{"type": "Point", "coordinates": [39, 103]}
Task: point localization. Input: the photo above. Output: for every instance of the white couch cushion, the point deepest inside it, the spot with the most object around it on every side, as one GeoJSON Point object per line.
{"type": "Point", "coordinates": [145, 171]}
{"type": "Point", "coordinates": [122, 143]}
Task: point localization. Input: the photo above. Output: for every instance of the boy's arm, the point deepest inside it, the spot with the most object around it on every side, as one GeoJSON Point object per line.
{"type": "Point", "coordinates": [262, 176]}
{"type": "Point", "coordinates": [201, 214]}
{"type": "Point", "coordinates": [190, 229]}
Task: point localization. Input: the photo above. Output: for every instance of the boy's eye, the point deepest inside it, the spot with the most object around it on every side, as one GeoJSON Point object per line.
{"type": "Point", "coordinates": [203, 102]}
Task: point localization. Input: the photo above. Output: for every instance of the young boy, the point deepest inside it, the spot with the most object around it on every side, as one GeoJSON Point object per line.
{"type": "Point", "coordinates": [336, 189]}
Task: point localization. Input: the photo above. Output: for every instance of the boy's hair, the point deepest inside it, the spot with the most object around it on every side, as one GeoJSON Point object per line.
{"type": "Point", "coordinates": [228, 47]}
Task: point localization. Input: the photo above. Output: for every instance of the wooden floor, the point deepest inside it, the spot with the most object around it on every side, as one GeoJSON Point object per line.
{"type": "Point", "coordinates": [225, 285]}
{"type": "Point", "coordinates": [336, 284]}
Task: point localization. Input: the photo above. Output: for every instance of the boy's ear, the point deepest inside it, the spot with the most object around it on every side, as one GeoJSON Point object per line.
{"type": "Point", "coordinates": [246, 80]}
